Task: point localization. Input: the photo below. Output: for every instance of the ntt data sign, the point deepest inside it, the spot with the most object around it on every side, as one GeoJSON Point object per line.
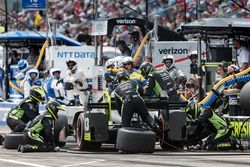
{"type": "Point", "coordinates": [34, 4]}
{"type": "Point", "coordinates": [83, 55]}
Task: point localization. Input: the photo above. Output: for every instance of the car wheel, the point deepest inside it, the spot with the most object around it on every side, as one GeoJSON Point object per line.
{"type": "Point", "coordinates": [135, 140]}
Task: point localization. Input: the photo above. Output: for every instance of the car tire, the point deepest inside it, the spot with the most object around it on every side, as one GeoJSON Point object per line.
{"type": "Point", "coordinates": [81, 143]}
{"type": "Point", "coordinates": [13, 140]}
{"type": "Point", "coordinates": [61, 127]}
{"type": "Point", "coordinates": [167, 144]}
{"type": "Point", "coordinates": [135, 140]}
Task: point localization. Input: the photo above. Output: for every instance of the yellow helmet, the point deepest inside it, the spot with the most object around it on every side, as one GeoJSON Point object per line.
{"type": "Point", "coordinates": [53, 107]}
{"type": "Point", "coordinates": [37, 94]}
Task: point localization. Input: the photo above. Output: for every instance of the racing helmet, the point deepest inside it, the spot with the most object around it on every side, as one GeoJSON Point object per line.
{"type": "Point", "coordinates": [72, 65]}
{"type": "Point", "coordinates": [109, 62]}
{"type": "Point", "coordinates": [33, 72]}
{"type": "Point", "coordinates": [122, 75]}
{"type": "Point", "coordinates": [22, 65]}
{"type": "Point", "coordinates": [193, 54]}
{"type": "Point", "coordinates": [53, 70]}
{"type": "Point", "coordinates": [53, 107]}
{"type": "Point", "coordinates": [127, 60]}
{"type": "Point", "coordinates": [193, 109]}
{"type": "Point", "coordinates": [146, 68]}
{"type": "Point", "coordinates": [37, 94]}
{"type": "Point", "coordinates": [118, 61]}
{"type": "Point", "coordinates": [168, 57]}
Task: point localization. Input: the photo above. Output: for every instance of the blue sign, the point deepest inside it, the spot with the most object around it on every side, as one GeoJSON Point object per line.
{"type": "Point", "coordinates": [34, 4]}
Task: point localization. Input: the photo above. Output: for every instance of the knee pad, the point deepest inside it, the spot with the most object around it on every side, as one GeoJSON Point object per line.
{"type": "Point", "coordinates": [69, 86]}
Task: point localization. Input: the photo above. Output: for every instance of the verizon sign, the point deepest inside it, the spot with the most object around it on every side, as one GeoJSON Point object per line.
{"type": "Point", "coordinates": [179, 49]}
{"type": "Point", "coordinates": [125, 21]}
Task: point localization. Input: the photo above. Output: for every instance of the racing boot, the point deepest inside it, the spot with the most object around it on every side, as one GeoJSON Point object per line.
{"type": "Point", "coordinates": [28, 148]}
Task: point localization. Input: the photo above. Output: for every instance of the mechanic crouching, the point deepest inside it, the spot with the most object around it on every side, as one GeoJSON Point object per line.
{"type": "Point", "coordinates": [205, 117]}
{"type": "Point", "coordinates": [127, 94]}
{"type": "Point", "coordinates": [25, 111]}
{"type": "Point", "coordinates": [39, 136]}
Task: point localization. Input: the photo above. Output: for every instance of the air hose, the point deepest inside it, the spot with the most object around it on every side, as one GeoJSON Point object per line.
{"type": "Point", "coordinates": [217, 89]}
{"type": "Point", "coordinates": [227, 83]}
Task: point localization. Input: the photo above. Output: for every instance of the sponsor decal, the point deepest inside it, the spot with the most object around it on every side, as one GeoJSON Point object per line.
{"type": "Point", "coordinates": [125, 21]}
{"type": "Point", "coordinates": [240, 130]}
{"type": "Point", "coordinates": [173, 50]}
{"type": "Point", "coordinates": [75, 54]}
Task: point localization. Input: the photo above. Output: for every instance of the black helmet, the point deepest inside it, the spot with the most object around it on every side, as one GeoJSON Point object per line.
{"type": "Point", "coordinates": [146, 68]}
{"type": "Point", "coordinates": [37, 94]}
{"type": "Point", "coordinates": [72, 63]}
{"type": "Point", "coordinates": [122, 75]}
{"type": "Point", "coordinates": [53, 107]}
{"type": "Point", "coordinates": [193, 109]}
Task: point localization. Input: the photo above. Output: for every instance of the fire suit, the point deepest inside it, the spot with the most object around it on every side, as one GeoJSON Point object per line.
{"type": "Point", "coordinates": [178, 77]}
{"type": "Point", "coordinates": [76, 85]}
{"type": "Point", "coordinates": [161, 84]}
{"type": "Point", "coordinates": [127, 94]}
{"type": "Point", "coordinates": [39, 136]}
{"type": "Point", "coordinates": [54, 89]}
{"type": "Point", "coordinates": [220, 129]}
{"type": "Point", "coordinates": [22, 114]}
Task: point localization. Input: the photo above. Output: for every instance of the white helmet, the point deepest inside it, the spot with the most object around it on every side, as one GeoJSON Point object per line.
{"type": "Point", "coordinates": [169, 57]}
{"type": "Point", "coordinates": [118, 61]}
{"type": "Point", "coordinates": [33, 71]}
{"type": "Point", "coordinates": [127, 60]}
{"type": "Point", "coordinates": [110, 62]}
{"type": "Point", "coordinates": [193, 54]}
{"type": "Point", "coordinates": [52, 70]}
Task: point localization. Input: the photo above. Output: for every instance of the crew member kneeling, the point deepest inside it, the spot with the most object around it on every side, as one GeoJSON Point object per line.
{"type": "Point", "coordinates": [39, 136]}
{"type": "Point", "coordinates": [26, 111]}
{"type": "Point", "coordinates": [206, 117]}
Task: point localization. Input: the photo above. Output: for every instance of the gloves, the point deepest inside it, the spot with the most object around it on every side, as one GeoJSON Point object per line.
{"type": "Point", "coordinates": [79, 82]}
{"type": "Point", "coordinates": [59, 81]}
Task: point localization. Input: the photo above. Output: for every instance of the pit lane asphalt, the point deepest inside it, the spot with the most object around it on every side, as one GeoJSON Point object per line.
{"type": "Point", "coordinates": [108, 156]}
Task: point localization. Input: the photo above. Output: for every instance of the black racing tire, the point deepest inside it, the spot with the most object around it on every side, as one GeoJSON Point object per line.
{"type": "Point", "coordinates": [167, 144]}
{"type": "Point", "coordinates": [61, 124]}
{"type": "Point", "coordinates": [13, 140]}
{"type": "Point", "coordinates": [81, 143]}
{"type": "Point", "coordinates": [135, 140]}
{"type": "Point", "coordinates": [244, 99]}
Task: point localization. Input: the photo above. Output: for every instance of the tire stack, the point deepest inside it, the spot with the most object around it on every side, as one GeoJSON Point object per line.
{"type": "Point", "coordinates": [135, 140]}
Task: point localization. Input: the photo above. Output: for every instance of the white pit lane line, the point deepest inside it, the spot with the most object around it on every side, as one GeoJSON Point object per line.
{"type": "Point", "coordinates": [22, 163]}
{"type": "Point", "coordinates": [85, 163]}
